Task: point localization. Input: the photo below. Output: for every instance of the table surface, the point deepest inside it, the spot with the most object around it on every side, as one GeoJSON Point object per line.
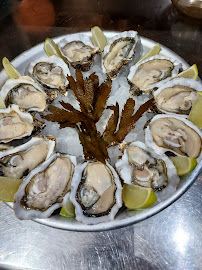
{"type": "Point", "coordinates": [171, 239]}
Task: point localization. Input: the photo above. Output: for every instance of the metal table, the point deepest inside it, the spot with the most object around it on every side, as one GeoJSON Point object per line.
{"type": "Point", "coordinates": [172, 239]}
{"type": "Point", "coordinates": [169, 240]}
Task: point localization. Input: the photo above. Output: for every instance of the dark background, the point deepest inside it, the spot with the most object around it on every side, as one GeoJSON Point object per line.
{"type": "Point", "coordinates": [21, 28]}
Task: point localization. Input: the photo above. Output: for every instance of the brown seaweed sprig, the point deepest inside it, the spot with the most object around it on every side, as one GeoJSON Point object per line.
{"type": "Point", "coordinates": [127, 122]}
{"type": "Point", "coordinates": [92, 99]}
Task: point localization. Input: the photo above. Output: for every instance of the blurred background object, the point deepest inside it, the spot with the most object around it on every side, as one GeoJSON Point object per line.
{"type": "Point", "coordinates": [35, 15]}
{"type": "Point", "coordinates": [191, 8]}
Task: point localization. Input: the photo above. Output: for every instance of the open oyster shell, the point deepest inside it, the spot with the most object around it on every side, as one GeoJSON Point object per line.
{"type": "Point", "coordinates": [79, 51]}
{"type": "Point", "coordinates": [150, 73]}
{"type": "Point", "coordinates": [141, 166]}
{"type": "Point", "coordinates": [119, 51]}
{"type": "Point", "coordinates": [24, 93]}
{"type": "Point", "coordinates": [46, 188]}
{"type": "Point", "coordinates": [19, 161]}
{"type": "Point", "coordinates": [50, 72]}
{"type": "Point", "coordinates": [96, 192]}
{"type": "Point", "coordinates": [169, 133]}
{"type": "Point", "coordinates": [177, 96]}
{"type": "Point", "coordinates": [14, 124]}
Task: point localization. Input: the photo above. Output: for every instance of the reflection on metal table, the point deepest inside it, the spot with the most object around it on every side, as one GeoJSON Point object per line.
{"type": "Point", "coordinates": [169, 240]}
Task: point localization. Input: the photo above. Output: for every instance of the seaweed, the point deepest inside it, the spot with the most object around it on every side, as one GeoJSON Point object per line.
{"type": "Point", "coordinates": [127, 122]}
{"type": "Point", "coordinates": [92, 98]}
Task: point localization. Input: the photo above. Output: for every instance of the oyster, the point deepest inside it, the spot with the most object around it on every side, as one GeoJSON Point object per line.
{"type": "Point", "coordinates": [177, 96]}
{"type": "Point", "coordinates": [14, 124]}
{"type": "Point", "coordinates": [119, 51]}
{"type": "Point", "coordinates": [79, 51]}
{"type": "Point", "coordinates": [50, 72]}
{"type": "Point", "coordinates": [20, 160]}
{"type": "Point", "coordinates": [150, 73]}
{"type": "Point", "coordinates": [24, 93]}
{"type": "Point", "coordinates": [96, 193]}
{"type": "Point", "coordinates": [46, 188]}
{"type": "Point", "coordinates": [141, 166]}
{"type": "Point", "coordinates": [175, 134]}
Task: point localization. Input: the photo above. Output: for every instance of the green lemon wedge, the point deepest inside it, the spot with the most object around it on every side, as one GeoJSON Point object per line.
{"type": "Point", "coordinates": [190, 73]}
{"type": "Point", "coordinates": [136, 197]}
{"type": "Point", "coordinates": [184, 165]}
{"type": "Point", "coordinates": [152, 52]}
{"type": "Point", "coordinates": [195, 115]}
{"type": "Point", "coordinates": [8, 188]}
{"type": "Point", "coordinates": [98, 37]}
{"type": "Point", "coordinates": [10, 69]}
{"type": "Point", "coordinates": [68, 210]}
{"type": "Point", "coordinates": [51, 48]}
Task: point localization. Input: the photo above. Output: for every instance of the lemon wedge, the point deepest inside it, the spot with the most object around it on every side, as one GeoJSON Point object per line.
{"type": "Point", "coordinates": [51, 48]}
{"type": "Point", "coordinates": [98, 37]}
{"type": "Point", "coordinates": [10, 69]}
{"type": "Point", "coordinates": [152, 52]}
{"type": "Point", "coordinates": [195, 115]}
{"type": "Point", "coordinates": [8, 188]}
{"type": "Point", "coordinates": [190, 73]}
{"type": "Point", "coordinates": [184, 165]}
{"type": "Point", "coordinates": [68, 210]}
{"type": "Point", "coordinates": [136, 197]}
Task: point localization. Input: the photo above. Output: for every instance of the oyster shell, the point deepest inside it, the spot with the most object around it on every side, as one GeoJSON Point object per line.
{"type": "Point", "coordinates": [177, 96]}
{"type": "Point", "coordinates": [46, 188]}
{"type": "Point", "coordinates": [20, 160]}
{"type": "Point", "coordinates": [119, 51]}
{"type": "Point", "coordinates": [50, 72]}
{"type": "Point", "coordinates": [24, 93]}
{"type": "Point", "coordinates": [96, 193]}
{"type": "Point", "coordinates": [14, 124]}
{"type": "Point", "coordinates": [150, 73]}
{"type": "Point", "coordinates": [5, 147]}
{"type": "Point", "coordinates": [79, 51]}
{"type": "Point", "coordinates": [168, 133]}
{"type": "Point", "coordinates": [141, 166]}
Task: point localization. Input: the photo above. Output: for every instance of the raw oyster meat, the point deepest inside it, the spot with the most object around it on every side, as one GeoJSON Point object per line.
{"type": "Point", "coordinates": [119, 51]}
{"type": "Point", "coordinates": [150, 73]}
{"type": "Point", "coordinates": [141, 166]}
{"type": "Point", "coordinates": [177, 96]}
{"type": "Point", "coordinates": [24, 93]}
{"type": "Point", "coordinates": [50, 72]}
{"type": "Point", "coordinates": [20, 160]}
{"type": "Point", "coordinates": [168, 133]}
{"type": "Point", "coordinates": [96, 192]}
{"type": "Point", "coordinates": [79, 51]}
{"type": "Point", "coordinates": [46, 188]}
{"type": "Point", "coordinates": [14, 124]}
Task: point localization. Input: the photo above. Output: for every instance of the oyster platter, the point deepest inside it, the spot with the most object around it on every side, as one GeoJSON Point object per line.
{"type": "Point", "coordinates": [97, 137]}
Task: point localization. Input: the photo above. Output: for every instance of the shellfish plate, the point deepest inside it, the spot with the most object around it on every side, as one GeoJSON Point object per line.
{"type": "Point", "coordinates": [72, 146]}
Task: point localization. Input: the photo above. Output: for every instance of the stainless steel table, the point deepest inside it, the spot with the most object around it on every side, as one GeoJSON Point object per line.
{"type": "Point", "coordinates": [170, 240]}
